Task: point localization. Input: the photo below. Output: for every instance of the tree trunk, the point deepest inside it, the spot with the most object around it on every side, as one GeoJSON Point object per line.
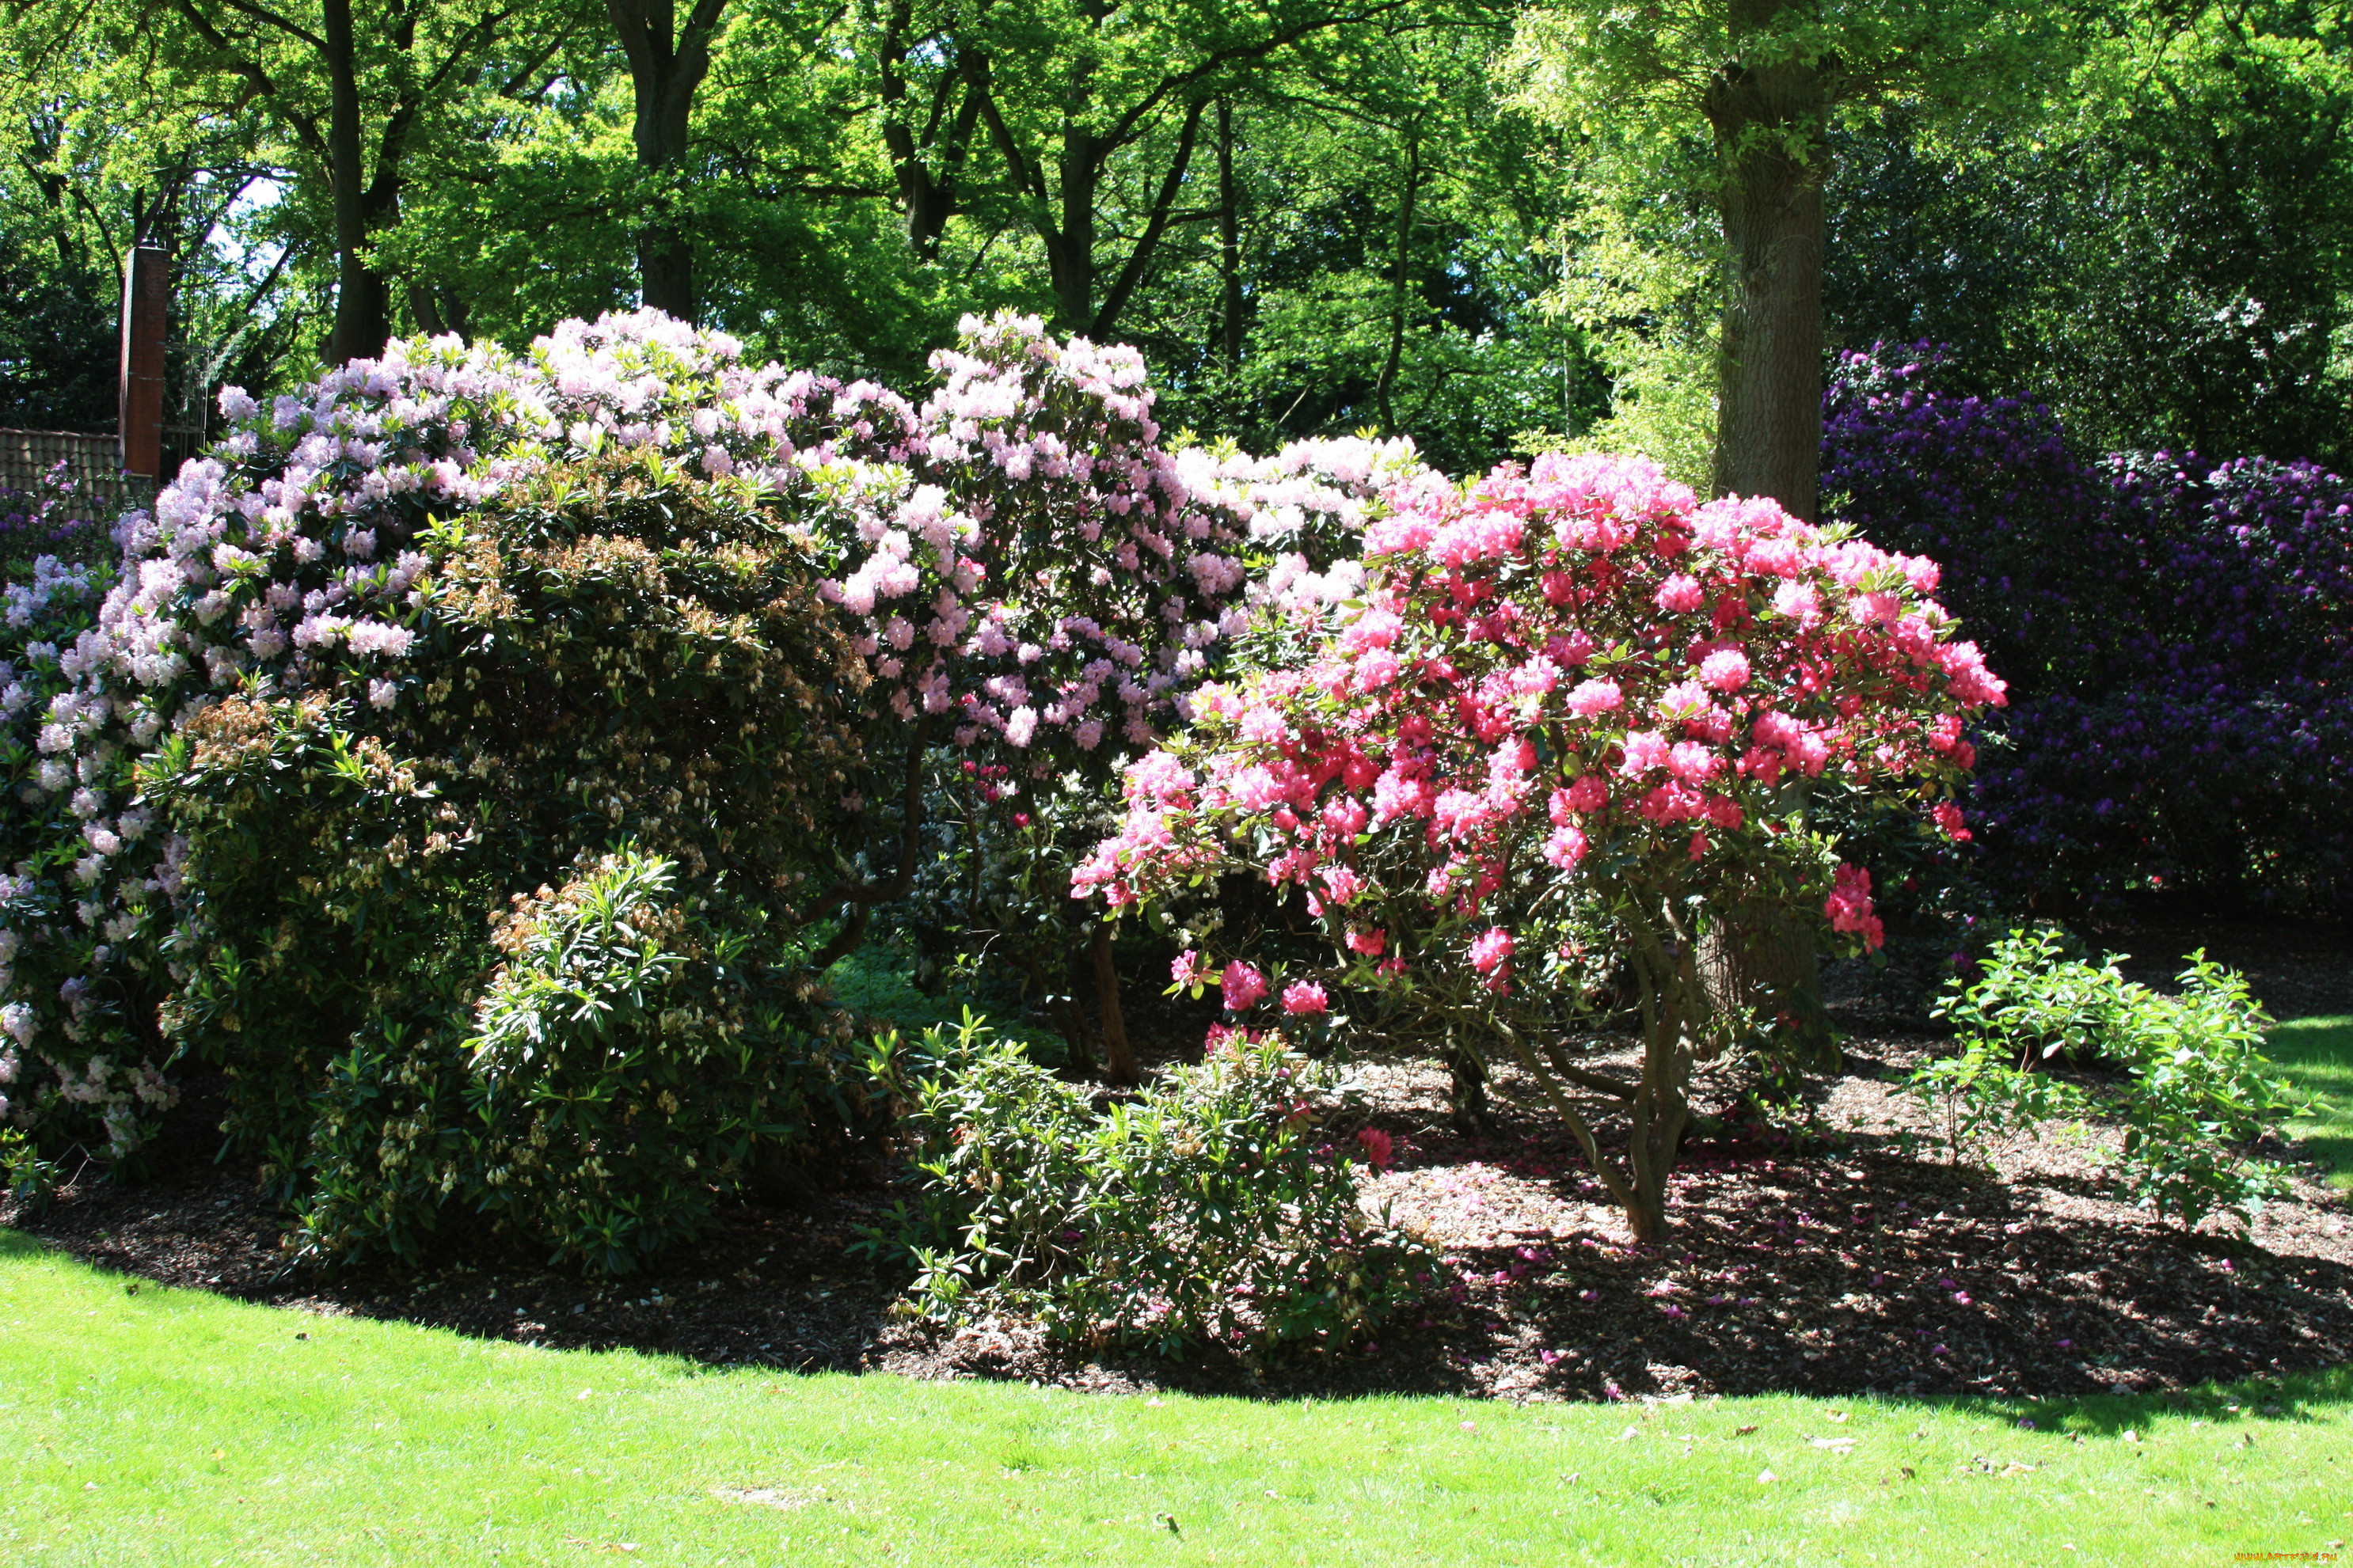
{"type": "Point", "coordinates": [1770, 361]}
{"type": "Point", "coordinates": [362, 301]}
{"type": "Point", "coordinates": [1399, 289]}
{"type": "Point", "coordinates": [1769, 124]}
{"type": "Point", "coordinates": [1070, 249]}
{"type": "Point", "coordinates": [1761, 958]}
{"type": "Point", "coordinates": [666, 65]}
{"type": "Point", "coordinates": [1230, 244]}
{"type": "Point", "coordinates": [1118, 1062]}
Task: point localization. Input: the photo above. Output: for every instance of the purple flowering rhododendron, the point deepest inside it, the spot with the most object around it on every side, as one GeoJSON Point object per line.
{"type": "Point", "coordinates": [2178, 634]}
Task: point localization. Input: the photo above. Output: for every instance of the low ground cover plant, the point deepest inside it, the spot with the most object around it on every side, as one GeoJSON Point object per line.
{"type": "Point", "coordinates": [1219, 1206]}
{"type": "Point", "coordinates": [2195, 1091]}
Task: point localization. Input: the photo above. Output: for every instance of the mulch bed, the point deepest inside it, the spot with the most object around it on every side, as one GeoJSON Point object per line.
{"type": "Point", "coordinates": [1855, 1260]}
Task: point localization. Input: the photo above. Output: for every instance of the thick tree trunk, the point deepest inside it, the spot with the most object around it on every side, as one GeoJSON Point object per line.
{"type": "Point", "coordinates": [1070, 249]}
{"type": "Point", "coordinates": [1230, 244]}
{"type": "Point", "coordinates": [363, 300]}
{"type": "Point", "coordinates": [1769, 124]}
{"type": "Point", "coordinates": [1400, 290]}
{"type": "Point", "coordinates": [1770, 365]}
{"type": "Point", "coordinates": [1761, 958]}
{"type": "Point", "coordinates": [666, 65]}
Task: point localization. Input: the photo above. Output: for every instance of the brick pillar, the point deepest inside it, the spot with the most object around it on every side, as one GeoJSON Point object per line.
{"type": "Point", "coordinates": [146, 289]}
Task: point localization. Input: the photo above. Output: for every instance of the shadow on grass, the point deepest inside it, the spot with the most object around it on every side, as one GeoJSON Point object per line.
{"type": "Point", "coordinates": [2317, 1054]}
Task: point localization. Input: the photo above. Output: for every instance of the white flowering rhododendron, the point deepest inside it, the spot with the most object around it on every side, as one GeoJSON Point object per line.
{"type": "Point", "coordinates": [1023, 571]}
{"type": "Point", "coordinates": [1563, 690]}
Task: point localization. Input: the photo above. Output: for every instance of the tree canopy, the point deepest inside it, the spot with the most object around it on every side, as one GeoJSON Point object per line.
{"type": "Point", "coordinates": [1490, 229]}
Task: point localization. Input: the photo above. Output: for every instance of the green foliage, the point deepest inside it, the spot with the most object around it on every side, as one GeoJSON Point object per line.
{"type": "Point", "coordinates": [879, 985]}
{"type": "Point", "coordinates": [26, 1175]}
{"type": "Point", "coordinates": [2197, 1092]}
{"type": "Point", "coordinates": [2164, 258]}
{"type": "Point", "coordinates": [1211, 1208]}
{"type": "Point", "coordinates": [2317, 1054]}
{"type": "Point", "coordinates": [632, 1062]}
{"type": "Point", "coordinates": [117, 1401]}
{"type": "Point", "coordinates": [614, 653]}
{"type": "Point", "coordinates": [2036, 999]}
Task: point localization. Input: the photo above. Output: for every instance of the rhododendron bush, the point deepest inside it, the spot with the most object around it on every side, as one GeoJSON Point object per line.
{"type": "Point", "coordinates": [439, 632]}
{"type": "Point", "coordinates": [1561, 691]}
{"type": "Point", "coordinates": [1003, 823]}
{"type": "Point", "coordinates": [2178, 633]}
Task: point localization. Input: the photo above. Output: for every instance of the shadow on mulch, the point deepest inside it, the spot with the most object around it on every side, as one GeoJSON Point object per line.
{"type": "Point", "coordinates": [1835, 1273]}
{"type": "Point", "coordinates": [1852, 1268]}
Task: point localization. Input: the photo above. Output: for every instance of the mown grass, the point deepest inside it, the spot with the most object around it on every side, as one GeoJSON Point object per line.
{"type": "Point", "coordinates": [2318, 1055]}
{"type": "Point", "coordinates": [167, 1427]}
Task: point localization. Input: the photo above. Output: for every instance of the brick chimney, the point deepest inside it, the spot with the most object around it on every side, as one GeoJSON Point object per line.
{"type": "Point", "coordinates": [146, 289]}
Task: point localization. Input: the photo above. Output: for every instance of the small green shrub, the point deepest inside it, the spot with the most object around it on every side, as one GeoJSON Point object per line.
{"type": "Point", "coordinates": [25, 1176]}
{"type": "Point", "coordinates": [1211, 1208]}
{"type": "Point", "coordinates": [2197, 1093]}
{"type": "Point", "coordinates": [2034, 992]}
{"type": "Point", "coordinates": [633, 1061]}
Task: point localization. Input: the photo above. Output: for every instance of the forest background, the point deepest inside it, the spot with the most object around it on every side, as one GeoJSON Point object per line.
{"type": "Point", "coordinates": [1313, 215]}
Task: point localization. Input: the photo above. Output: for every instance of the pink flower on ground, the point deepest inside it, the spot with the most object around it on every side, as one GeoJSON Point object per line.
{"type": "Point", "coordinates": [1378, 1149]}
{"type": "Point", "coordinates": [1305, 999]}
{"type": "Point", "coordinates": [1489, 951]}
{"type": "Point", "coordinates": [1242, 986]}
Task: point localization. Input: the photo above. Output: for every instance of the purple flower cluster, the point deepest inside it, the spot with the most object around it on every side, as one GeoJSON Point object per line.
{"type": "Point", "coordinates": [50, 519]}
{"type": "Point", "coordinates": [2178, 636]}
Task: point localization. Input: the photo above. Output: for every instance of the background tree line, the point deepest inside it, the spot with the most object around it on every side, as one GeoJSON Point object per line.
{"type": "Point", "coordinates": [1485, 226]}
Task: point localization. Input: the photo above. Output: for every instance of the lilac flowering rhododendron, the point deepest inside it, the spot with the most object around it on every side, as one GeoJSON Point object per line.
{"type": "Point", "coordinates": [1570, 686]}
{"type": "Point", "coordinates": [1017, 564]}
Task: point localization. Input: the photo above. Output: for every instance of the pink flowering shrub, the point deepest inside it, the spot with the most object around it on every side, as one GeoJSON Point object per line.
{"type": "Point", "coordinates": [1564, 690]}
{"type": "Point", "coordinates": [448, 626]}
{"type": "Point", "coordinates": [1076, 580]}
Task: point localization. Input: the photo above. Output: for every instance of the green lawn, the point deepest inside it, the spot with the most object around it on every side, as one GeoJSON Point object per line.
{"type": "Point", "coordinates": [170, 1426]}
{"type": "Point", "coordinates": [2318, 1055]}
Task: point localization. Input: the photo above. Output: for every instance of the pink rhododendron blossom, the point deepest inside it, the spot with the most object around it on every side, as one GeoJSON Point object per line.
{"type": "Point", "coordinates": [1680, 594]}
{"type": "Point", "coordinates": [1594, 702]}
{"type": "Point", "coordinates": [1491, 949]}
{"type": "Point", "coordinates": [1379, 1150]}
{"type": "Point", "coordinates": [1592, 697]}
{"type": "Point", "coordinates": [1242, 986]}
{"type": "Point", "coordinates": [1726, 669]}
{"type": "Point", "coordinates": [1848, 906]}
{"type": "Point", "coordinates": [1187, 968]}
{"type": "Point", "coordinates": [1304, 998]}
{"type": "Point", "coordinates": [1645, 750]}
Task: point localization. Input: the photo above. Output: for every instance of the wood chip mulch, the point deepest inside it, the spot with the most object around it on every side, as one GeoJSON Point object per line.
{"type": "Point", "coordinates": [1854, 1259]}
